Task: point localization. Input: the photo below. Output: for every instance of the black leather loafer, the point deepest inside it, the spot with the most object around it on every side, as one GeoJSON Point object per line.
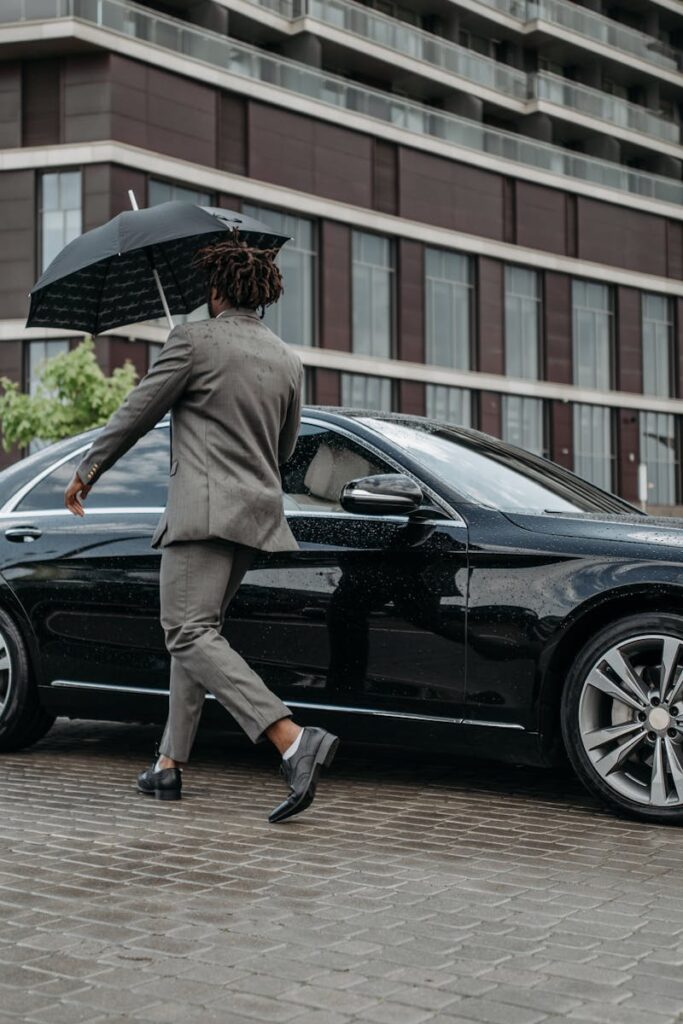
{"type": "Point", "coordinates": [316, 750]}
{"type": "Point", "coordinates": [164, 785]}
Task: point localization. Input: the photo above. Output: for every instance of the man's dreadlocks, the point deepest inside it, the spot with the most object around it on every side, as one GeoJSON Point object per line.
{"type": "Point", "coordinates": [240, 274]}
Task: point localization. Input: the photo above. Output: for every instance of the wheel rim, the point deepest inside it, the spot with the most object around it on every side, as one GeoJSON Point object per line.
{"type": "Point", "coordinates": [5, 676]}
{"type": "Point", "coordinates": [631, 719]}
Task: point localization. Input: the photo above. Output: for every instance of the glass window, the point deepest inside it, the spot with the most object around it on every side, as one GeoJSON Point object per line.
{"type": "Point", "coordinates": [322, 463]}
{"type": "Point", "coordinates": [37, 354]}
{"type": "Point", "coordinates": [167, 191]}
{"type": "Point", "coordinates": [490, 472]}
{"type": "Point", "coordinates": [522, 322]}
{"type": "Point", "coordinates": [450, 405]}
{"type": "Point", "coordinates": [593, 455]}
{"type": "Point", "coordinates": [372, 290]}
{"type": "Point", "coordinates": [523, 422]}
{"type": "Point", "coordinates": [60, 213]}
{"type": "Point", "coordinates": [658, 452]}
{"type": "Point", "coordinates": [592, 334]}
{"type": "Point", "coordinates": [360, 392]}
{"type": "Point", "coordinates": [523, 419]}
{"type": "Point", "coordinates": [657, 345]}
{"type": "Point", "coordinates": [293, 317]}
{"type": "Point", "coordinates": [448, 308]}
{"type": "Point", "coordinates": [138, 480]}
{"type": "Point", "coordinates": [592, 350]}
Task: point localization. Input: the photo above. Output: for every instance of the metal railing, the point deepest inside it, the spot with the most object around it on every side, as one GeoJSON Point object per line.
{"type": "Point", "coordinates": [591, 25]}
{"type": "Point", "coordinates": [410, 41]}
{"type": "Point", "coordinates": [405, 39]}
{"type": "Point", "coordinates": [602, 105]}
{"type": "Point", "coordinates": [255, 65]}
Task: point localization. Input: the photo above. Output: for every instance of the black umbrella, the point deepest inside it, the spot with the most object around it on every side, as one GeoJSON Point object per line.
{"type": "Point", "coordinates": [114, 274]}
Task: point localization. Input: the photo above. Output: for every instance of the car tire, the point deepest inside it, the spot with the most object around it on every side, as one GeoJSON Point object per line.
{"type": "Point", "coordinates": [639, 776]}
{"type": "Point", "coordinates": [23, 720]}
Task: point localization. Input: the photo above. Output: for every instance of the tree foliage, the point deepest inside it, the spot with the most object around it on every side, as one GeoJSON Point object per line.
{"type": "Point", "coordinates": [72, 394]}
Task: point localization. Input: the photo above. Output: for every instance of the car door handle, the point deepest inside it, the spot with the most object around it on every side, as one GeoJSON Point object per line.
{"type": "Point", "coordinates": [21, 534]}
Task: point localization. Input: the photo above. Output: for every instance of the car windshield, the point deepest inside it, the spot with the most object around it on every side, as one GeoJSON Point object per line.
{"type": "Point", "coordinates": [489, 472]}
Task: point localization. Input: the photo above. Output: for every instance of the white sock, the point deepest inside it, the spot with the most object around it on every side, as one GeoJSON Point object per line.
{"type": "Point", "coordinates": [291, 750]}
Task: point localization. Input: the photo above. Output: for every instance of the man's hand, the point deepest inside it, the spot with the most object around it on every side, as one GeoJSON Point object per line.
{"type": "Point", "coordinates": [76, 491]}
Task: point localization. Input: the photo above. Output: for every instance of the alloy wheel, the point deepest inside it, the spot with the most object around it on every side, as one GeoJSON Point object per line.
{"type": "Point", "coordinates": [5, 676]}
{"type": "Point", "coordinates": [631, 719]}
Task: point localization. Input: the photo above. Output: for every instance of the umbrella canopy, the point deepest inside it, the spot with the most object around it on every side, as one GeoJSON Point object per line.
{"type": "Point", "coordinates": [104, 278]}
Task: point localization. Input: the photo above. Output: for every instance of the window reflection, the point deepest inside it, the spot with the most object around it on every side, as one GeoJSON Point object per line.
{"type": "Point", "coordinates": [138, 480]}
{"type": "Point", "coordinates": [489, 472]}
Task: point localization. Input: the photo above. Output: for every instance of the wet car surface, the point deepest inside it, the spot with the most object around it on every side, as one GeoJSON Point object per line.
{"type": "Point", "coordinates": [451, 593]}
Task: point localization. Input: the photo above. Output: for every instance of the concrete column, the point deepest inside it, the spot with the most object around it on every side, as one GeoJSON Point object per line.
{"type": "Point", "coordinates": [305, 48]}
{"type": "Point", "coordinates": [605, 147]}
{"type": "Point", "coordinates": [464, 105]}
{"type": "Point", "coordinates": [537, 126]}
{"type": "Point", "coordinates": [209, 15]}
{"type": "Point", "coordinates": [651, 23]}
{"type": "Point", "coordinates": [450, 25]}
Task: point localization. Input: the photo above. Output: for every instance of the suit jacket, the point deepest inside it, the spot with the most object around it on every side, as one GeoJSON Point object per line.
{"type": "Point", "coordinates": [234, 390]}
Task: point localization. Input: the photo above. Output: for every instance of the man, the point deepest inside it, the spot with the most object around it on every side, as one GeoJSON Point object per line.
{"type": "Point", "coordinates": [234, 389]}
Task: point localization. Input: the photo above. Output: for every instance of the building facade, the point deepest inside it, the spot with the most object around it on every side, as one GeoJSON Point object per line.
{"type": "Point", "coordinates": [485, 197]}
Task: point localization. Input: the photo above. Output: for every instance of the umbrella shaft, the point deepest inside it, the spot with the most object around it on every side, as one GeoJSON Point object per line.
{"type": "Point", "coordinates": [164, 303]}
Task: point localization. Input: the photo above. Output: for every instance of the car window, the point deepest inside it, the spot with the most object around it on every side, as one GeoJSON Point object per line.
{"type": "Point", "coordinates": [322, 463]}
{"type": "Point", "coordinates": [489, 472]}
{"type": "Point", "coordinates": [139, 479]}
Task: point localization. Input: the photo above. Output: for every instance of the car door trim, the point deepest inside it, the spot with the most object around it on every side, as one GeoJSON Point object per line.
{"type": "Point", "coordinates": [149, 691]}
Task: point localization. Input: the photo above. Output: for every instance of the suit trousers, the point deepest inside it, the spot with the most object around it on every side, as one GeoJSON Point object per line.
{"type": "Point", "coordinates": [198, 581]}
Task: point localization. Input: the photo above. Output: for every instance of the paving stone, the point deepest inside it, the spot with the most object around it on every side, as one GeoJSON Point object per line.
{"type": "Point", "coordinates": [416, 891]}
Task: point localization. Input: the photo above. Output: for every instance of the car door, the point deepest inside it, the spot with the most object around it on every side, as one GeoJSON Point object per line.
{"type": "Point", "coordinates": [90, 585]}
{"type": "Point", "coordinates": [370, 613]}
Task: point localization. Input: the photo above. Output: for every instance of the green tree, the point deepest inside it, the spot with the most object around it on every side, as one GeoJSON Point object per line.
{"type": "Point", "coordinates": [72, 395]}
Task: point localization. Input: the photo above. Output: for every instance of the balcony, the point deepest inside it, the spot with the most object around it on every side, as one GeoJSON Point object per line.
{"type": "Point", "coordinates": [586, 23]}
{"type": "Point", "coordinates": [200, 47]}
{"type": "Point", "coordinates": [601, 105]}
{"type": "Point", "coordinates": [412, 42]}
{"type": "Point", "coordinates": [405, 40]}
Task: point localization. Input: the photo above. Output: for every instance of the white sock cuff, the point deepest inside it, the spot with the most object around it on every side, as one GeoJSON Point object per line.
{"type": "Point", "coordinates": [292, 749]}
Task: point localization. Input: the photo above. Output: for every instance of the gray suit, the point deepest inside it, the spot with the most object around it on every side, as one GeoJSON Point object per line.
{"type": "Point", "coordinates": [234, 390]}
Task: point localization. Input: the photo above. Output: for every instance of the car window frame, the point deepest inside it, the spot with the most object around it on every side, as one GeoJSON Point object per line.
{"type": "Point", "coordinates": [453, 516]}
{"type": "Point", "coordinates": [10, 510]}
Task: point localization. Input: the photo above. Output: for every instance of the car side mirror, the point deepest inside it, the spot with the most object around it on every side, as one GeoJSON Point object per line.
{"type": "Point", "coordinates": [382, 494]}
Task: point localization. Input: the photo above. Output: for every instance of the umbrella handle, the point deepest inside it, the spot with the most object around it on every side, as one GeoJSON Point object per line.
{"type": "Point", "coordinates": [155, 273]}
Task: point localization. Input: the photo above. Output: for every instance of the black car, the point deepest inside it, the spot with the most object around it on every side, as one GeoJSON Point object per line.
{"type": "Point", "coordinates": [451, 592]}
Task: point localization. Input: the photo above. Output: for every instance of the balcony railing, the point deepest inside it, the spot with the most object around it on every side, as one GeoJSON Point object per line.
{"type": "Point", "coordinates": [591, 25]}
{"type": "Point", "coordinates": [255, 65]}
{"type": "Point", "coordinates": [602, 30]}
{"type": "Point", "coordinates": [405, 39]}
{"type": "Point", "coordinates": [595, 103]}
{"type": "Point", "coordinates": [412, 42]}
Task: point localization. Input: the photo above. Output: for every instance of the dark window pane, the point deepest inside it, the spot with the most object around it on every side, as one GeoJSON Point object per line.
{"type": "Point", "coordinates": [322, 463]}
{"type": "Point", "coordinates": [139, 479]}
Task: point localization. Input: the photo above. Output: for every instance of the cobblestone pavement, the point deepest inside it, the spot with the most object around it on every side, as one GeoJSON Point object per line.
{"type": "Point", "coordinates": [413, 891]}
